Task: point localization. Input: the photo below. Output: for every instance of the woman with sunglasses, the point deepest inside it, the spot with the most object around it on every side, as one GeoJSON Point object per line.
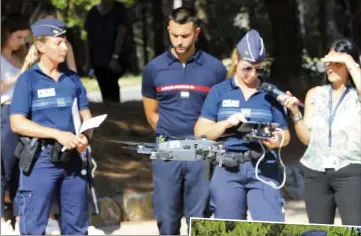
{"type": "Point", "coordinates": [331, 128]}
{"type": "Point", "coordinates": [237, 100]}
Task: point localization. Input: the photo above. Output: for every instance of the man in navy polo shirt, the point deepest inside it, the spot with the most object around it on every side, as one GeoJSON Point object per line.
{"type": "Point", "coordinates": [239, 99]}
{"type": "Point", "coordinates": [42, 108]}
{"type": "Point", "coordinates": [174, 87]}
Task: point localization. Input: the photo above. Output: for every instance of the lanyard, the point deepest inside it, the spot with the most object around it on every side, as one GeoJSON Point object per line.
{"type": "Point", "coordinates": [332, 114]}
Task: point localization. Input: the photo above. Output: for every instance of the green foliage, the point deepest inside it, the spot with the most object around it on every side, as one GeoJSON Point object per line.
{"type": "Point", "coordinates": [208, 227]}
{"type": "Point", "coordinates": [74, 12]}
{"type": "Point", "coordinates": [249, 229]}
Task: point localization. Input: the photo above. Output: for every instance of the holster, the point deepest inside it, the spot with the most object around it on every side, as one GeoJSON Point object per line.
{"type": "Point", "coordinates": [26, 150]}
{"type": "Point", "coordinates": [59, 157]}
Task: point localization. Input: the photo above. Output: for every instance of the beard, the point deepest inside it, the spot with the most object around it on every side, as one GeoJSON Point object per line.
{"type": "Point", "coordinates": [183, 50]}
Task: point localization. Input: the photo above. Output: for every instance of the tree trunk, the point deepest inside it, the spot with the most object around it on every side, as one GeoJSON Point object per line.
{"type": "Point", "coordinates": [158, 27]}
{"type": "Point", "coordinates": [334, 21]}
{"type": "Point", "coordinates": [145, 32]}
{"type": "Point", "coordinates": [287, 54]}
{"type": "Point", "coordinates": [356, 21]}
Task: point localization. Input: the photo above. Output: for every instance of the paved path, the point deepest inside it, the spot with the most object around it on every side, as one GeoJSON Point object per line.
{"type": "Point", "coordinates": [132, 93]}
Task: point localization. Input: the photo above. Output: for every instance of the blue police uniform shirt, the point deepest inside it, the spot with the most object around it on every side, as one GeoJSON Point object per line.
{"type": "Point", "coordinates": [226, 99]}
{"type": "Point", "coordinates": [180, 90]}
{"type": "Point", "coordinates": [48, 102]}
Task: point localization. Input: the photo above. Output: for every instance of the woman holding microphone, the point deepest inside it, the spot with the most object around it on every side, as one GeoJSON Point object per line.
{"type": "Point", "coordinates": [331, 127]}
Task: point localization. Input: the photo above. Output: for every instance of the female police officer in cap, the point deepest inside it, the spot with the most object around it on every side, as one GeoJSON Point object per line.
{"type": "Point", "coordinates": [238, 99]}
{"type": "Point", "coordinates": [41, 108]}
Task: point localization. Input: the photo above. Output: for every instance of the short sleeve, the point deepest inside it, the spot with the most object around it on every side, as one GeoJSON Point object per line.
{"type": "Point", "coordinates": [82, 95]}
{"type": "Point", "coordinates": [279, 114]}
{"type": "Point", "coordinates": [210, 105]}
{"type": "Point", "coordinates": [22, 96]}
{"type": "Point", "coordinates": [148, 88]}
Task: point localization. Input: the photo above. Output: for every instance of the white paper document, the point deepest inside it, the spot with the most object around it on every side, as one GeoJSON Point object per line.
{"type": "Point", "coordinates": [92, 123]}
{"type": "Point", "coordinates": [76, 116]}
{"type": "Point", "coordinates": [88, 124]}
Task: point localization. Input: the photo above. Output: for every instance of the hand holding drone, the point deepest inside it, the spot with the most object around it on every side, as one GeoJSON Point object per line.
{"type": "Point", "coordinates": [212, 152]}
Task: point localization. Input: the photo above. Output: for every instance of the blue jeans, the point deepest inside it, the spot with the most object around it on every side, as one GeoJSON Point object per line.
{"type": "Point", "coordinates": [9, 163]}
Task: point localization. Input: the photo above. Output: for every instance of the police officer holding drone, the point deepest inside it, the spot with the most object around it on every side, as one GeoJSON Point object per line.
{"type": "Point", "coordinates": [251, 185]}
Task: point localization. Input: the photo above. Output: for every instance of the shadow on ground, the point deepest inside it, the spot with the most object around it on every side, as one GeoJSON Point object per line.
{"type": "Point", "coordinates": [120, 170]}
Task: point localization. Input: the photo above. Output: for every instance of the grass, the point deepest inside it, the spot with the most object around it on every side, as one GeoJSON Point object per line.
{"type": "Point", "coordinates": [91, 84]}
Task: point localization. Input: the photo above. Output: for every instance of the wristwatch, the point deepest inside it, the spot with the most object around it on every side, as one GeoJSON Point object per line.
{"type": "Point", "coordinates": [297, 117]}
{"type": "Point", "coordinates": [115, 56]}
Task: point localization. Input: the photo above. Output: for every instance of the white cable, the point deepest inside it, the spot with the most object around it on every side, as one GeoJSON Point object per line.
{"type": "Point", "coordinates": [270, 183]}
{"type": "Point", "coordinates": [94, 163]}
{"type": "Point", "coordinates": [94, 168]}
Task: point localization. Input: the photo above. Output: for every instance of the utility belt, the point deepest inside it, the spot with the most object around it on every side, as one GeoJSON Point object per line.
{"type": "Point", "coordinates": [234, 159]}
{"type": "Point", "coordinates": [29, 148]}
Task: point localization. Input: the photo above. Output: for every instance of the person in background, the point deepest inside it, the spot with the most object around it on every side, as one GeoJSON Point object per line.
{"type": "Point", "coordinates": [331, 129]}
{"type": "Point", "coordinates": [174, 87]}
{"type": "Point", "coordinates": [239, 99]}
{"type": "Point", "coordinates": [104, 50]}
{"type": "Point", "coordinates": [14, 31]}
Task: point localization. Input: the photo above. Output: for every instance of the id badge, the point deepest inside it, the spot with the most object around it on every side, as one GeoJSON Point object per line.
{"type": "Point", "coordinates": [60, 102]}
{"type": "Point", "coordinates": [184, 94]}
{"type": "Point", "coordinates": [329, 162]}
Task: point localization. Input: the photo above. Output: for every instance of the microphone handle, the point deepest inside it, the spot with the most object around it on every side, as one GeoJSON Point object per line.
{"type": "Point", "coordinates": [278, 92]}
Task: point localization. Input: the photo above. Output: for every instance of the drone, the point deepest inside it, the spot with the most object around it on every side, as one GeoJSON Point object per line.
{"type": "Point", "coordinates": [211, 152]}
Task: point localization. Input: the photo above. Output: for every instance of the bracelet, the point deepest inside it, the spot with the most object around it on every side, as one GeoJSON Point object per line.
{"type": "Point", "coordinates": [353, 67]}
{"type": "Point", "coordinates": [297, 117]}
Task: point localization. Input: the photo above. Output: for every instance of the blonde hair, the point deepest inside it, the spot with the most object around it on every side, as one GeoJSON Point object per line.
{"type": "Point", "coordinates": [236, 57]}
{"type": "Point", "coordinates": [33, 55]}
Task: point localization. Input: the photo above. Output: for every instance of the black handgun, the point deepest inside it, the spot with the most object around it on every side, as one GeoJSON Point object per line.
{"type": "Point", "coordinates": [26, 150]}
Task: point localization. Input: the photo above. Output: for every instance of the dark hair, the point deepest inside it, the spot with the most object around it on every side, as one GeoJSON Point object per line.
{"type": "Point", "coordinates": [183, 15]}
{"type": "Point", "coordinates": [349, 47]}
{"type": "Point", "coordinates": [12, 23]}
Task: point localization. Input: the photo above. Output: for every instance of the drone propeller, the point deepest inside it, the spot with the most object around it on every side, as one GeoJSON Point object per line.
{"type": "Point", "coordinates": [129, 143]}
{"type": "Point", "coordinates": [131, 148]}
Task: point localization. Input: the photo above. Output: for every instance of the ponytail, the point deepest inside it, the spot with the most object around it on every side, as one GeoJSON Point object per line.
{"type": "Point", "coordinates": [31, 58]}
{"type": "Point", "coordinates": [236, 57]}
{"type": "Point", "coordinates": [33, 55]}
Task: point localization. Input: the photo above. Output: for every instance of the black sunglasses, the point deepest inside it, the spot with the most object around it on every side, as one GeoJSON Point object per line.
{"type": "Point", "coordinates": [249, 69]}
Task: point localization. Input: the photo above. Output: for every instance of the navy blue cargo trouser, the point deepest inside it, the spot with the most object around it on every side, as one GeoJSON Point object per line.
{"type": "Point", "coordinates": [236, 190]}
{"type": "Point", "coordinates": [178, 185]}
{"type": "Point", "coordinates": [36, 193]}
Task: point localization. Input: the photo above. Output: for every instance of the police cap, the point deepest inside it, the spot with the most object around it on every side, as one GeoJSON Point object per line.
{"type": "Point", "coordinates": [251, 47]}
{"type": "Point", "coordinates": [48, 27]}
